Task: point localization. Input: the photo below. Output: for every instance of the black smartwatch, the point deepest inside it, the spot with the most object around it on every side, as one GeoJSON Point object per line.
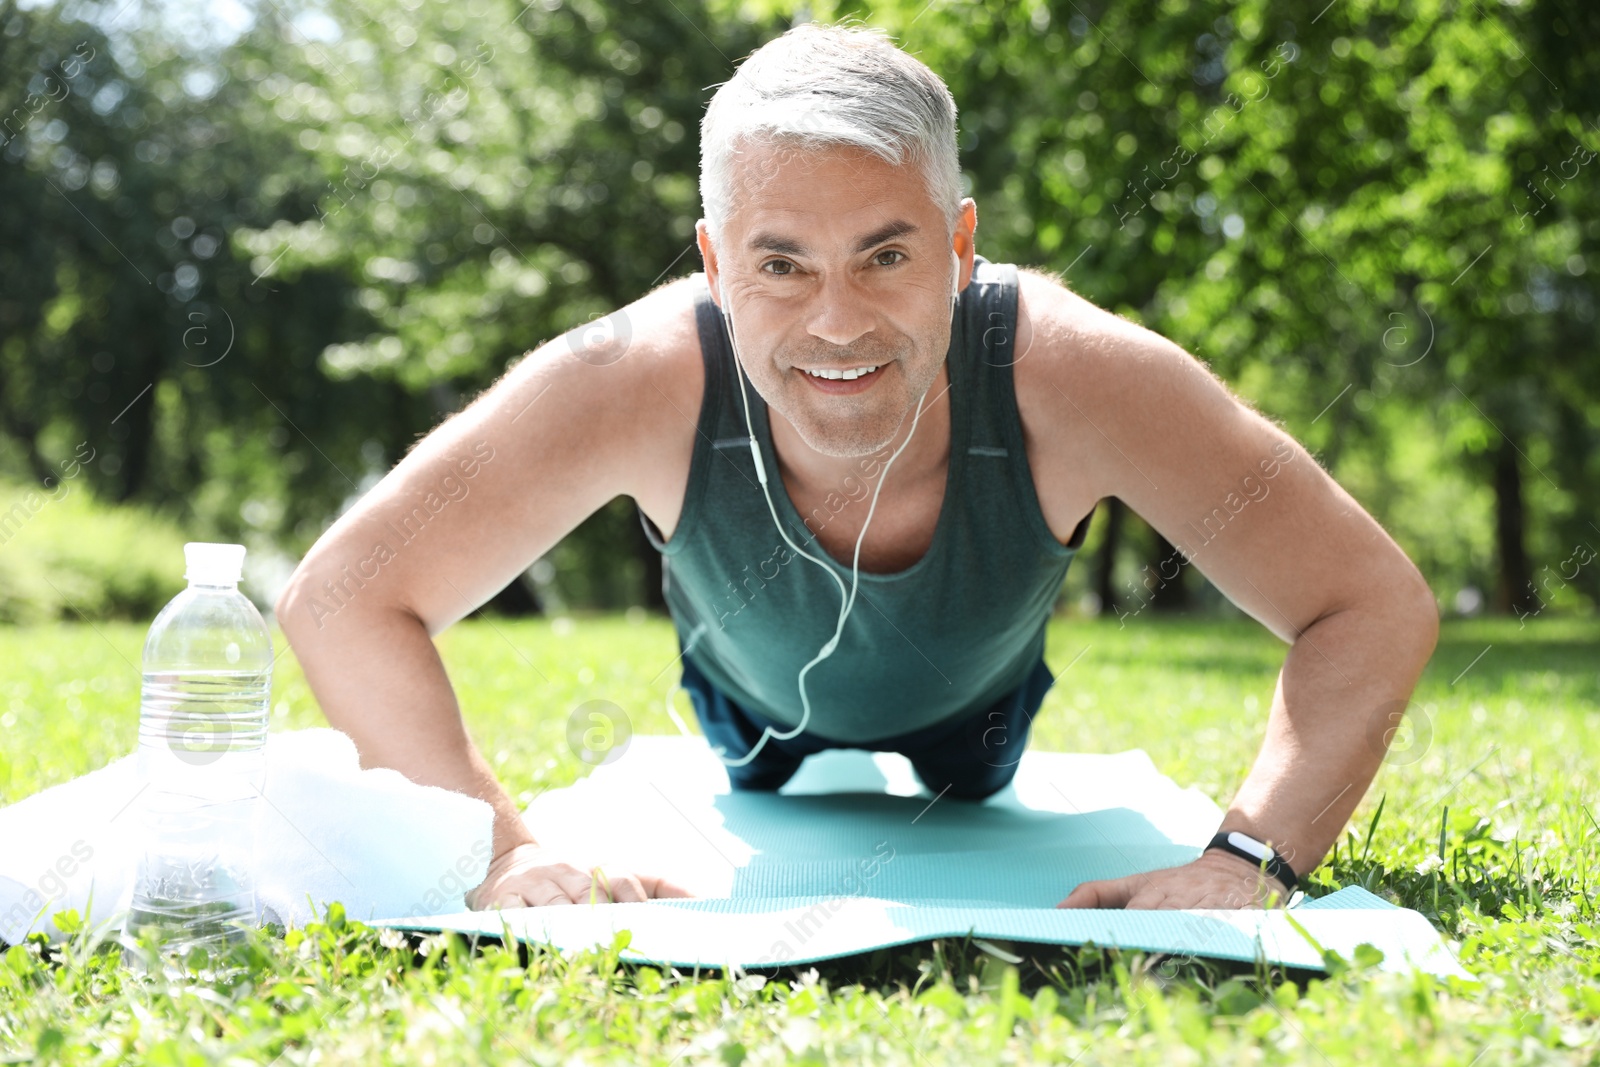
{"type": "Point", "coordinates": [1246, 847]}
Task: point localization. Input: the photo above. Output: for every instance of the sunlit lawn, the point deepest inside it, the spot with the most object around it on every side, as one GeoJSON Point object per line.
{"type": "Point", "coordinates": [1503, 742]}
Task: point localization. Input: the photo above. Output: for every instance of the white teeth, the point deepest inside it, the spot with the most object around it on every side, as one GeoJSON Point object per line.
{"type": "Point", "coordinates": [842, 375]}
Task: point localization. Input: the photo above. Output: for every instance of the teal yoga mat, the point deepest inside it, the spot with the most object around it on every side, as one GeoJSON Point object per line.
{"type": "Point", "coordinates": [853, 855]}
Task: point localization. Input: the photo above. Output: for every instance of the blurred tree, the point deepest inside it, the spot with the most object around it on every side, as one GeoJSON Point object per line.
{"type": "Point", "coordinates": [1297, 203]}
{"type": "Point", "coordinates": [249, 273]}
{"type": "Point", "coordinates": [128, 321]}
{"type": "Point", "coordinates": [490, 175]}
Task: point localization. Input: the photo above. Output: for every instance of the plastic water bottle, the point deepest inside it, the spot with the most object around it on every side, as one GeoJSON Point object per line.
{"type": "Point", "coordinates": [202, 762]}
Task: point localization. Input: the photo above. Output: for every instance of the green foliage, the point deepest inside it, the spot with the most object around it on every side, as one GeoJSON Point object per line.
{"type": "Point", "coordinates": [1302, 204]}
{"type": "Point", "coordinates": [66, 556]}
{"type": "Point", "coordinates": [1484, 829]}
{"type": "Point", "coordinates": [251, 272]}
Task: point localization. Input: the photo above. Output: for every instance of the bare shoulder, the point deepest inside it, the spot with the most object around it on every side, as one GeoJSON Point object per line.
{"type": "Point", "coordinates": [1094, 383]}
{"type": "Point", "coordinates": [1074, 362]}
{"type": "Point", "coordinates": [628, 386]}
{"type": "Point", "coordinates": [602, 411]}
{"type": "Point", "coordinates": [1092, 348]}
{"type": "Point", "coordinates": [1111, 408]}
{"type": "Point", "coordinates": [665, 389]}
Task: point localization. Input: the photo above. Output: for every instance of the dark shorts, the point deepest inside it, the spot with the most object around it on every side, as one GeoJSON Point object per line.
{"type": "Point", "coordinates": [968, 757]}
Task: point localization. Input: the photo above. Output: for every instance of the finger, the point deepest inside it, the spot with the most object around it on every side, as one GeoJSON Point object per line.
{"type": "Point", "coordinates": [544, 894]}
{"type": "Point", "coordinates": [1151, 899]}
{"type": "Point", "coordinates": [1106, 893]}
{"type": "Point", "coordinates": [602, 888]}
{"type": "Point", "coordinates": [1116, 892]}
{"type": "Point", "coordinates": [580, 886]}
{"type": "Point", "coordinates": [1083, 895]}
{"type": "Point", "coordinates": [507, 898]}
{"type": "Point", "coordinates": [660, 887]}
{"type": "Point", "coordinates": [554, 884]}
{"type": "Point", "coordinates": [627, 888]}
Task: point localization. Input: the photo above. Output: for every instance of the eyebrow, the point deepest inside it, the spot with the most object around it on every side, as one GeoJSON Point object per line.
{"type": "Point", "coordinates": [786, 246]}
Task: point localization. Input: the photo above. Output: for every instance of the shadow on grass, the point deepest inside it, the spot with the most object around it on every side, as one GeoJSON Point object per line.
{"type": "Point", "coordinates": [1499, 656]}
{"type": "Point", "coordinates": [972, 966]}
{"type": "Point", "coordinates": [1568, 647]}
{"type": "Point", "coordinates": [975, 965]}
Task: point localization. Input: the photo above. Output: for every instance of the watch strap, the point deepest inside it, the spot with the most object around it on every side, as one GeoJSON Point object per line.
{"type": "Point", "coordinates": [1264, 856]}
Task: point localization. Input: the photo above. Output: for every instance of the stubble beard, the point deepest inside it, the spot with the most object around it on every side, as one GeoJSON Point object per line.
{"type": "Point", "coordinates": [876, 424]}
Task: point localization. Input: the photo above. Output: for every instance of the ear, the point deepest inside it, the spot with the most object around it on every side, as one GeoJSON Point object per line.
{"type": "Point", "coordinates": [708, 257]}
{"type": "Point", "coordinates": [962, 241]}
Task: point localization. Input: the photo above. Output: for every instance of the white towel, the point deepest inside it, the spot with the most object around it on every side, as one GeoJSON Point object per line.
{"type": "Point", "coordinates": [326, 830]}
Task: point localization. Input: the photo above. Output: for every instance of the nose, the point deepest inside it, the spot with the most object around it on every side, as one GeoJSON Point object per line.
{"type": "Point", "coordinates": [840, 313]}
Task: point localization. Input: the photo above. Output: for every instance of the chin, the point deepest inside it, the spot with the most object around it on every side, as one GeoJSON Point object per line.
{"type": "Point", "coordinates": [828, 431]}
{"type": "Point", "coordinates": [846, 439]}
{"type": "Point", "coordinates": [847, 447]}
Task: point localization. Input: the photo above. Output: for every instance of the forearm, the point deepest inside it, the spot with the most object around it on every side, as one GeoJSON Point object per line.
{"type": "Point", "coordinates": [1341, 692]}
{"type": "Point", "coordinates": [378, 677]}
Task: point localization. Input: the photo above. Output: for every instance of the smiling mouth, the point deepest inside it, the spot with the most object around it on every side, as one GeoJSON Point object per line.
{"type": "Point", "coordinates": [846, 374]}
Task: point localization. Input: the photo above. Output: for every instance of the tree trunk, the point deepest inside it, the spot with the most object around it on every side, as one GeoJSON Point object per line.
{"type": "Point", "coordinates": [517, 600]}
{"type": "Point", "coordinates": [1171, 593]}
{"type": "Point", "coordinates": [1105, 563]}
{"type": "Point", "coordinates": [26, 434]}
{"type": "Point", "coordinates": [138, 421]}
{"type": "Point", "coordinates": [1514, 583]}
{"type": "Point", "coordinates": [651, 596]}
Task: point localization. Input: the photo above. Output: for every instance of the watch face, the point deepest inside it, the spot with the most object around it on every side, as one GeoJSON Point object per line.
{"type": "Point", "coordinates": [1250, 845]}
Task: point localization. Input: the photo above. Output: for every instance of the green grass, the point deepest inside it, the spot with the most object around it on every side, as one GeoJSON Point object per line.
{"type": "Point", "coordinates": [1502, 783]}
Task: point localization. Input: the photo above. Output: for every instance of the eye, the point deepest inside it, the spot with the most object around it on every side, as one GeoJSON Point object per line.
{"type": "Point", "coordinates": [881, 258]}
{"type": "Point", "coordinates": [778, 266]}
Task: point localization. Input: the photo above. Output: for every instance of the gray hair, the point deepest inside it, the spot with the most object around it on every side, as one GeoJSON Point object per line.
{"type": "Point", "coordinates": [832, 86]}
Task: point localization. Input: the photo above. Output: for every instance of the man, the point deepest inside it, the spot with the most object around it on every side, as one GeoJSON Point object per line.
{"type": "Point", "coordinates": [841, 275]}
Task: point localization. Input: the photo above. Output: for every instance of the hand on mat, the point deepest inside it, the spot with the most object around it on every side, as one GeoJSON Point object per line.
{"type": "Point", "coordinates": [531, 876]}
{"type": "Point", "coordinates": [1215, 880]}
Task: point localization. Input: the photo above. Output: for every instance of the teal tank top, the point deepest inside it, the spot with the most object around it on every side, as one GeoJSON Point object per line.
{"type": "Point", "coordinates": [948, 635]}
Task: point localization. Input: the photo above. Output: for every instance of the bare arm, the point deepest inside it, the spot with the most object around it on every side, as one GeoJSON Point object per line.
{"type": "Point", "coordinates": [1255, 513]}
{"type": "Point", "coordinates": [378, 677]}
{"type": "Point", "coordinates": [469, 508]}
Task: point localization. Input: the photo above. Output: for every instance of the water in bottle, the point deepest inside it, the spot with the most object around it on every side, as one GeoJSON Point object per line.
{"type": "Point", "coordinates": [201, 761]}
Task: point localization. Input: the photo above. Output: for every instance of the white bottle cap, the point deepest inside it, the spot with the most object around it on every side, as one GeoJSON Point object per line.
{"type": "Point", "coordinates": [213, 564]}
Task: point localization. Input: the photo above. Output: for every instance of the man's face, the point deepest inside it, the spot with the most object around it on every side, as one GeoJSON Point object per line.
{"type": "Point", "coordinates": [834, 260]}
